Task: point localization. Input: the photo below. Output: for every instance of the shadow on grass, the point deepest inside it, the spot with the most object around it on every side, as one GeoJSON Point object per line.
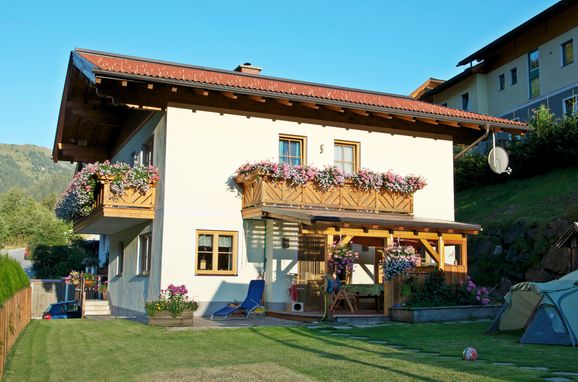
{"type": "Point", "coordinates": [403, 355]}
{"type": "Point", "coordinates": [334, 356]}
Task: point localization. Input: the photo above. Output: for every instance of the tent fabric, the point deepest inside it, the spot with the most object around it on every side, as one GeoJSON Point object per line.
{"type": "Point", "coordinates": [548, 311]}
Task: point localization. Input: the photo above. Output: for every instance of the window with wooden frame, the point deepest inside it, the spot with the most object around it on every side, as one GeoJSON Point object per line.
{"type": "Point", "coordinates": [292, 150]}
{"type": "Point", "coordinates": [144, 254]}
{"type": "Point", "coordinates": [120, 259]}
{"type": "Point", "coordinates": [346, 156]}
{"type": "Point", "coordinates": [216, 253]}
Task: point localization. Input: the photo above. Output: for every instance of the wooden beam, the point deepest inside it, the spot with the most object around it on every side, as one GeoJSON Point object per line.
{"type": "Point", "coordinates": [381, 115]}
{"type": "Point", "coordinates": [124, 83]}
{"type": "Point", "coordinates": [98, 80]}
{"type": "Point", "coordinates": [405, 118]}
{"type": "Point", "coordinates": [77, 151]}
{"type": "Point", "coordinates": [345, 240]}
{"type": "Point", "coordinates": [359, 112]}
{"type": "Point", "coordinates": [257, 99]}
{"type": "Point", "coordinates": [427, 120]}
{"type": "Point", "coordinates": [471, 125]}
{"type": "Point", "coordinates": [229, 95]}
{"type": "Point", "coordinates": [382, 233]}
{"type": "Point", "coordinates": [441, 252]}
{"type": "Point", "coordinates": [450, 123]}
{"type": "Point", "coordinates": [174, 89]}
{"type": "Point", "coordinates": [430, 250]}
{"type": "Point", "coordinates": [309, 105]}
{"type": "Point", "coordinates": [150, 86]}
{"type": "Point", "coordinates": [334, 108]}
{"type": "Point", "coordinates": [285, 102]}
{"type": "Point", "coordinates": [201, 92]}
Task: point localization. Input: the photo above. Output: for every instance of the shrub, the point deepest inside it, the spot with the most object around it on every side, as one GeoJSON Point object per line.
{"type": "Point", "coordinates": [12, 278]}
{"type": "Point", "coordinates": [58, 261]}
{"type": "Point", "coordinates": [437, 293]}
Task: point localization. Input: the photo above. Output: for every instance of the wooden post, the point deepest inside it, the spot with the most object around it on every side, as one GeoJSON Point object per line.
{"type": "Point", "coordinates": [441, 252]}
{"type": "Point", "coordinates": [387, 296]}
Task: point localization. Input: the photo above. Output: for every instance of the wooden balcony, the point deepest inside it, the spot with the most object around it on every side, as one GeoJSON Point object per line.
{"type": "Point", "coordinates": [259, 191]}
{"type": "Point", "coordinates": [112, 213]}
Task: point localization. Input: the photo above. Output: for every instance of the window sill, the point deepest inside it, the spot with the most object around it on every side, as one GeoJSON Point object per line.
{"type": "Point", "coordinates": [143, 275]}
{"type": "Point", "coordinates": [228, 274]}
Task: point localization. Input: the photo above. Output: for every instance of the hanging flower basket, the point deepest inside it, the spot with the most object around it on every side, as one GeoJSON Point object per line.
{"type": "Point", "coordinates": [341, 260]}
{"type": "Point", "coordinates": [398, 260]}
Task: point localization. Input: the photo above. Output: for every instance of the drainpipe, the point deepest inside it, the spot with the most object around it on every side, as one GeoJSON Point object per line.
{"type": "Point", "coordinates": [461, 153]}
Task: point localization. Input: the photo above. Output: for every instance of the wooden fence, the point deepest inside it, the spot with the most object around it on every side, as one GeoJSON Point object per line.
{"type": "Point", "coordinates": [15, 315]}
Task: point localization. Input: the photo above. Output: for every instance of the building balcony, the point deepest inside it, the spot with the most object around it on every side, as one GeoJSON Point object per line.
{"type": "Point", "coordinates": [259, 191]}
{"type": "Point", "coordinates": [113, 213]}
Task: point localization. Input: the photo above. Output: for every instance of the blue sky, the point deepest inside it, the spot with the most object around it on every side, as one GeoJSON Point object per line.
{"type": "Point", "coordinates": [389, 46]}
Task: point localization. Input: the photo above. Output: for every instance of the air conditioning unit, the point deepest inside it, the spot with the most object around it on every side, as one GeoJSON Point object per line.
{"type": "Point", "coordinates": [297, 306]}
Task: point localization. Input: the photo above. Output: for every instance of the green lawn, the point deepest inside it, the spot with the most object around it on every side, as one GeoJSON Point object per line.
{"type": "Point", "coordinates": [538, 199]}
{"type": "Point", "coordinates": [119, 350]}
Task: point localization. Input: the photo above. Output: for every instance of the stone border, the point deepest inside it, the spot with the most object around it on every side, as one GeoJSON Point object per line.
{"type": "Point", "coordinates": [444, 313]}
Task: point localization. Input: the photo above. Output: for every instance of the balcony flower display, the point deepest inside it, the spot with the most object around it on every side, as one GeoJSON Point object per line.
{"type": "Point", "coordinates": [398, 260]}
{"type": "Point", "coordinates": [77, 200]}
{"type": "Point", "coordinates": [330, 177]}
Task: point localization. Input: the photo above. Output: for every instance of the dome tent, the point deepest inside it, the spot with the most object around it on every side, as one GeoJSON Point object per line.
{"type": "Point", "coordinates": [547, 311]}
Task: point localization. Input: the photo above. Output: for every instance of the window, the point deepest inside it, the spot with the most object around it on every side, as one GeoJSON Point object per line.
{"type": "Point", "coordinates": [291, 150]}
{"type": "Point", "coordinates": [534, 73]}
{"type": "Point", "coordinates": [120, 259]}
{"type": "Point", "coordinates": [466, 101]}
{"type": "Point", "coordinates": [147, 152]}
{"type": "Point", "coordinates": [346, 156]}
{"type": "Point", "coordinates": [501, 81]}
{"type": "Point", "coordinates": [216, 253]}
{"type": "Point", "coordinates": [570, 106]}
{"type": "Point", "coordinates": [144, 254]}
{"type": "Point", "coordinates": [568, 52]}
{"type": "Point", "coordinates": [513, 76]}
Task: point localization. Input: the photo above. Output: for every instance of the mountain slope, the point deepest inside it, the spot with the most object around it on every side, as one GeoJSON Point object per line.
{"type": "Point", "coordinates": [31, 168]}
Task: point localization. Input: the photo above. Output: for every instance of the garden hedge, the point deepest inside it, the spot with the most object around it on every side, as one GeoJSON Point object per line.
{"type": "Point", "coordinates": [12, 278]}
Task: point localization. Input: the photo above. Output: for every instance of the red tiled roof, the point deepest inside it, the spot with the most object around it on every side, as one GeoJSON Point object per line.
{"type": "Point", "coordinates": [161, 70]}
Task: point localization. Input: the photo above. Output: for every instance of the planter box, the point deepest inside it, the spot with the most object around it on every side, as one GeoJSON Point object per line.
{"type": "Point", "coordinates": [262, 191]}
{"type": "Point", "coordinates": [165, 319]}
{"type": "Point", "coordinates": [444, 313]}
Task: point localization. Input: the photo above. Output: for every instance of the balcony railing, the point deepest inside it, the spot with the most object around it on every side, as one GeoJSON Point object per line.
{"type": "Point", "coordinates": [112, 213]}
{"type": "Point", "coordinates": [262, 191]}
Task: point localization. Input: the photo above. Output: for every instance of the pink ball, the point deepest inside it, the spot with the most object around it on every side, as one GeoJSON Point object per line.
{"type": "Point", "coordinates": [470, 354]}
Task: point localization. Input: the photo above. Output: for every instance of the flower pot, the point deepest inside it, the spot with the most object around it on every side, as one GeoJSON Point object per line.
{"type": "Point", "coordinates": [88, 283]}
{"type": "Point", "coordinates": [163, 318]}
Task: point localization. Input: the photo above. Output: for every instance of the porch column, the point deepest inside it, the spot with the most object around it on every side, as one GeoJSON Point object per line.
{"type": "Point", "coordinates": [268, 297]}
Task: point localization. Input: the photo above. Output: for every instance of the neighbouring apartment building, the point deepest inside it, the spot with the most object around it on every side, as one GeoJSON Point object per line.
{"type": "Point", "coordinates": [532, 65]}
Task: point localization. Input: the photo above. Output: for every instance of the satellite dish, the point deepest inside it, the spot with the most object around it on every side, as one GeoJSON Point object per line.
{"type": "Point", "coordinates": [498, 160]}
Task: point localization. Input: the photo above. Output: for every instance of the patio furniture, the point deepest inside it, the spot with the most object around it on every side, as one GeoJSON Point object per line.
{"type": "Point", "coordinates": [252, 302]}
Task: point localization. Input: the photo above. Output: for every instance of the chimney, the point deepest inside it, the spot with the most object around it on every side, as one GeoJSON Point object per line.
{"type": "Point", "coordinates": [248, 68]}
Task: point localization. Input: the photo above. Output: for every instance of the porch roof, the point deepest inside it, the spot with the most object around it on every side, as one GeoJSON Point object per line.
{"type": "Point", "coordinates": [367, 220]}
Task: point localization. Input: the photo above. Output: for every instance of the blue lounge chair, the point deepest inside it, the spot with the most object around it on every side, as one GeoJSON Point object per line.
{"type": "Point", "coordinates": [252, 302]}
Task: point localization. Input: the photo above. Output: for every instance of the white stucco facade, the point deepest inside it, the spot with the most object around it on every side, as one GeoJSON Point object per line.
{"type": "Point", "coordinates": [197, 152]}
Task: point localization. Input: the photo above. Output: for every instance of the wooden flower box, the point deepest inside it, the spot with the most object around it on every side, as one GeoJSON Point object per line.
{"type": "Point", "coordinates": [261, 191]}
{"type": "Point", "coordinates": [165, 319]}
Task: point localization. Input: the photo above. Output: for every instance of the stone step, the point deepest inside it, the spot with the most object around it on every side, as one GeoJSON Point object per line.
{"type": "Point", "coordinates": [95, 303]}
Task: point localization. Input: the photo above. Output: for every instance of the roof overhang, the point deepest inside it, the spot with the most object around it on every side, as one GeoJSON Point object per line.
{"type": "Point", "coordinates": [102, 106]}
{"type": "Point", "coordinates": [362, 220]}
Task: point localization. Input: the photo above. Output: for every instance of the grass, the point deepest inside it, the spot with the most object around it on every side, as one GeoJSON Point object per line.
{"type": "Point", "coordinates": [532, 200]}
{"type": "Point", "coordinates": [119, 350]}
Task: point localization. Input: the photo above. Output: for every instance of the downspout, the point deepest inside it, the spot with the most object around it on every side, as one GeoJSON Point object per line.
{"type": "Point", "coordinates": [486, 133]}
